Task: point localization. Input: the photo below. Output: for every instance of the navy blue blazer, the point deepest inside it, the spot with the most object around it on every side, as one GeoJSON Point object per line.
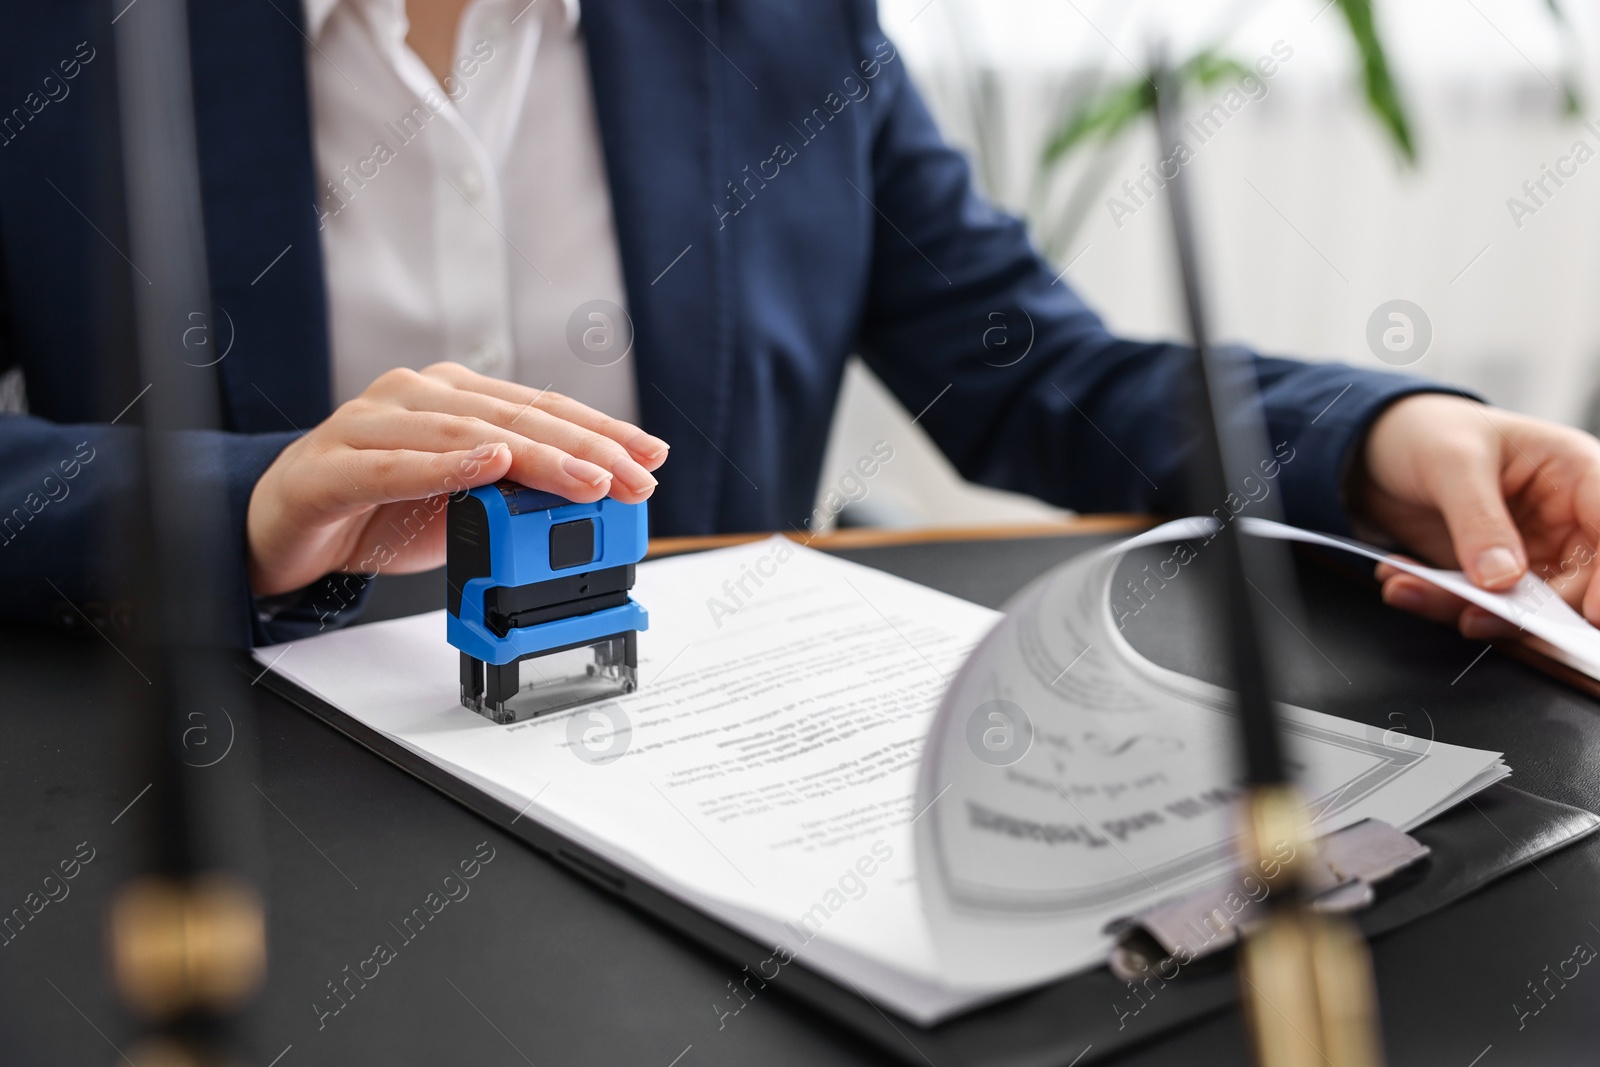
{"type": "Point", "coordinates": [781, 144]}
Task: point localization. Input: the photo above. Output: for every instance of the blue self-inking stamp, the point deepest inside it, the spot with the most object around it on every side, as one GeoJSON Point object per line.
{"type": "Point", "coordinates": [534, 578]}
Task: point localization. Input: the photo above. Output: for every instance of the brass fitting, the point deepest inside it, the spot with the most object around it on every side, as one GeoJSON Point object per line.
{"type": "Point", "coordinates": [181, 946]}
{"type": "Point", "coordinates": [1306, 987]}
{"type": "Point", "coordinates": [1274, 837]}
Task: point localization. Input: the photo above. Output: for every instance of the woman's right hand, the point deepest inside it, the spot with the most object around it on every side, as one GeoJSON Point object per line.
{"type": "Point", "coordinates": [346, 492]}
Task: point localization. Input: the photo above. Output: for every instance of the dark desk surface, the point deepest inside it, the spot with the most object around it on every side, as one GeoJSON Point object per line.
{"type": "Point", "coordinates": [535, 966]}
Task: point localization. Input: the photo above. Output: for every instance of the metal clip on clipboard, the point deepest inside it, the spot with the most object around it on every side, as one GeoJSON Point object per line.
{"type": "Point", "coordinates": [1348, 866]}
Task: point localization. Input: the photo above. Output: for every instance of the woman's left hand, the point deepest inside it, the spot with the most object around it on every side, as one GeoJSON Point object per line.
{"type": "Point", "coordinates": [1488, 491]}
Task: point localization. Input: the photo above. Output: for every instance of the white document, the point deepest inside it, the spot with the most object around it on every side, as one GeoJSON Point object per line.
{"type": "Point", "coordinates": [770, 753]}
{"type": "Point", "coordinates": [1078, 781]}
{"type": "Point", "coordinates": [1550, 624]}
{"type": "Point", "coordinates": [766, 770]}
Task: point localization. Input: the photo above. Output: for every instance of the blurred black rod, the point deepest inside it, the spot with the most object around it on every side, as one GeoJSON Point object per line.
{"type": "Point", "coordinates": [1220, 395]}
{"type": "Point", "coordinates": [185, 595]}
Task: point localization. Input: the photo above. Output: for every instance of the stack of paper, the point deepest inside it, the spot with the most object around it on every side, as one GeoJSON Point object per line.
{"type": "Point", "coordinates": [766, 770]}
{"type": "Point", "coordinates": [1075, 778]}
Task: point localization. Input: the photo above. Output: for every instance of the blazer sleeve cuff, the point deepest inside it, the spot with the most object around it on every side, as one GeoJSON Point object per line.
{"type": "Point", "coordinates": [332, 601]}
{"type": "Point", "coordinates": [327, 603]}
{"type": "Point", "coordinates": [1327, 440]}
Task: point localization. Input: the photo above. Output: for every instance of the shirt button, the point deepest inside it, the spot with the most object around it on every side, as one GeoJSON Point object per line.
{"type": "Point", "coordinates": [471, 184]}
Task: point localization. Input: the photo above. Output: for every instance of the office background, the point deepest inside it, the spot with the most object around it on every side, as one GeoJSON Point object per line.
{"type": "Point", "coordinates": [1309, 217]}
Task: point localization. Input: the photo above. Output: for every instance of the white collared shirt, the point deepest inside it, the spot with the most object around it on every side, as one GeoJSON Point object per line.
{"type": "Point", "coordinates": [469, 222]}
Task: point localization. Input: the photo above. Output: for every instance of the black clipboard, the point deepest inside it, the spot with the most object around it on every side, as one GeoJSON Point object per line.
{"type": "Point", "coordinates": [1472, 845]}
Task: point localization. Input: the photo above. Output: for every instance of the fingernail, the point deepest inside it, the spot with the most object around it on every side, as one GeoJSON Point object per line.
{"type": "Point", "coordinates": [634, 476]}
{"type": "Point", "coordinates": [647, 446]}
{"type": "Point", "coordinates": [586, 472]}
{"type": "Point", "coordinates": [1485, 628]}
{"type": "Point", "coordinates": [1496, 566]}
{"type": "Point", "coordinates": [1405, 598]}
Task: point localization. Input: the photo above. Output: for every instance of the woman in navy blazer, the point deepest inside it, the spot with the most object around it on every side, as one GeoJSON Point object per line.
{"type": "Point", "coordinates": [863, 236]}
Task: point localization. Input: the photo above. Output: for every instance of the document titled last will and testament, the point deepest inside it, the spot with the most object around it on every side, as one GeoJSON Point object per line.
{"type": "Point", "coordinates": [769, 769]}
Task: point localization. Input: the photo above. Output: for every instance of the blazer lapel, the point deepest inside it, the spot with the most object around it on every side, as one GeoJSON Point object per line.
{"type": "Point", "coordinates": [253, 124]}
{"type": "Point", "coordinates": [658, 90]}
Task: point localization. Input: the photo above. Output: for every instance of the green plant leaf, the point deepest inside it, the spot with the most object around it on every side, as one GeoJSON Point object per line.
{"type": "Point", "coordinates": [1381, 93]}
{"type": "Point", "coordinates": [1571, 99]}
{"type": "Point", "coordinates": [1106, 114]}
{"type": "Point", "coordinates": [1208, 68]}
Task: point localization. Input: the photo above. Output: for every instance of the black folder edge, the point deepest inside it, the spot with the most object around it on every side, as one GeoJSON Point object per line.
{"type": "Point", "coordinates": [1474, 843]}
